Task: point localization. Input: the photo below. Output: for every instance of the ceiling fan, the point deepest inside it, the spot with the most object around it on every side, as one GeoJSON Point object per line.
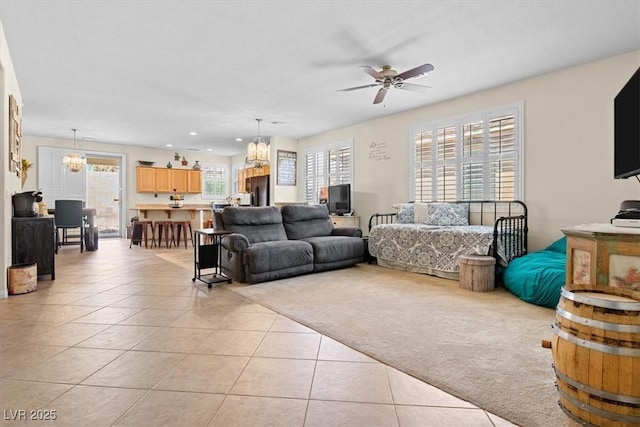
{"type": "Point", "coordinates": [388, 78]}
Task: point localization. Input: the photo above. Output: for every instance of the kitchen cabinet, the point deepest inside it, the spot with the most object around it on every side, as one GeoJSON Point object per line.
{"type": "Point", "coordinates": [180, 180]}
{"type": "Point", "coordinates": [245, 174]}
{"type": "Point", "coordinates": [145, 180]}
{"type": "Point", "coordinates": [195, 181]}
{"type": "Point", "coordinates": [165, 180]}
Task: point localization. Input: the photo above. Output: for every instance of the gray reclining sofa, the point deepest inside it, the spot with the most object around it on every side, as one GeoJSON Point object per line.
{"type": "Point", "coordinates": [269, 243]}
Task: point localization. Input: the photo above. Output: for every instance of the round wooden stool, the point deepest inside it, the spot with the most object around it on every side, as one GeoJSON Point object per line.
{"type": "Point", "coordinates": [140, 231]}
{"type": "Point", "coordinates": [477, 272]}
{"type": "Point", "coordinates": [165, 227]}
{"type": "Point", "coordinates": [180, 227]}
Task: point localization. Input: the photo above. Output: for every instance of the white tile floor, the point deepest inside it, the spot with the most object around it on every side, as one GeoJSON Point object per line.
{"type": "Point", "coordinates": [123, 337]}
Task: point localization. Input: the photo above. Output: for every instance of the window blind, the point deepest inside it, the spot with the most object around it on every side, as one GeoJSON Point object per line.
{"type": "Point", "coordinates": [325, 166]}
{"type": "Point", "coordinates": [474, 157]}
{"type": "Point", "coordinates": [215, 181]}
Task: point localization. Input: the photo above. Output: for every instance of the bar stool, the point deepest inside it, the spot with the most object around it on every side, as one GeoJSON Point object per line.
{"type": "Point", "coordinates": [139, 233]}
{"type": "Point", "coordinates": [180, 227]}
{"type": "Point", "coordinates": [159, 228]}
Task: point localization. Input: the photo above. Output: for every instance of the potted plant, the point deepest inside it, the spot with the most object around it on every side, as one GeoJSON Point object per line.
{"type": "Point", "coordinates": [25, 165]}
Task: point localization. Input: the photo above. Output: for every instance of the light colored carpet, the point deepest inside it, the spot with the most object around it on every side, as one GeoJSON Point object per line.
{"type": "Point", "coordinates": [481, 347]}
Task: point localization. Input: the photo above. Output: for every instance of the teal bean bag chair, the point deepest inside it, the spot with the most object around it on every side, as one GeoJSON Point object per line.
{"type": "Point", "coordinates": [538, 277]}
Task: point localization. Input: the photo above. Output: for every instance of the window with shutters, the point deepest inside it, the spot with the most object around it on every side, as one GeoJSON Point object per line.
{"type": "Point", "coordinates": [325, 166]}
{"type": "Point", "coordinates": [215, 180]}
{"type": "Point", "coordinates": [475, 157]}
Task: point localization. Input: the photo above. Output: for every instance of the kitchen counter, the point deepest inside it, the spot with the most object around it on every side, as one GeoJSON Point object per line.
{"type": "Point", "coordinates": [168, 210]}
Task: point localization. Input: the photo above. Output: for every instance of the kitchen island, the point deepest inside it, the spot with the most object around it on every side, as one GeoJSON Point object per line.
{"type": "Point", "coordinates": [167, 211]}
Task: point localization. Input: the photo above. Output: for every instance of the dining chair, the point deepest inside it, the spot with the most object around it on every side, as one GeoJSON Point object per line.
{"type": "Point", "coordinates": [68, 215]}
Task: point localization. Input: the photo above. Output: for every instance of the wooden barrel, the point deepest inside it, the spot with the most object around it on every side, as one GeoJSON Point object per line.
{"type": "Point", "coordinates": [596, 354]}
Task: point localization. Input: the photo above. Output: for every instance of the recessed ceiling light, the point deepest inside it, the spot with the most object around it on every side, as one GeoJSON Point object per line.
{"type": "Point", "coordinates": [169, 145]}
{"type": "Point", "coordinates": [193, 133]}
{"type": "Point", "coordinates": [209, 149]}
{"type": "Point", "coordinates": [238, 139]}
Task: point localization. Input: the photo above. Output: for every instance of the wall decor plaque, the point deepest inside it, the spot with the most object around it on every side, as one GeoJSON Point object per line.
{"type": "Point", "coordinates": [15, 137]}
{"type": "Point", "coordinates": [287, 167]}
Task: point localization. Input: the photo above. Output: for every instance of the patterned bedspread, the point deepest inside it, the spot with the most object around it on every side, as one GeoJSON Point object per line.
{"type": "Point", "coordinates": [428, 249]}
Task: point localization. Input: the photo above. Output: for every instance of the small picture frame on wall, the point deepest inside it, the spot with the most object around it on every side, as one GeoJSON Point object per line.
{"type": "Point", "coordinates": [15, 137]}
{"type": "Point", "coordinates": [287, 168]}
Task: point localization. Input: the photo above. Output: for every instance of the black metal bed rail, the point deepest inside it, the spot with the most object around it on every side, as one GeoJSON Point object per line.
{"type": "Point", "coordinates": [510, 234]}
{"type": "Point", "coordinates": [381, 218]}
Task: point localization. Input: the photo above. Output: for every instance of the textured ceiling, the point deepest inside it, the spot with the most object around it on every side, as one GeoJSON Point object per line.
{"type": "Point", "coordinates": [147, 73]}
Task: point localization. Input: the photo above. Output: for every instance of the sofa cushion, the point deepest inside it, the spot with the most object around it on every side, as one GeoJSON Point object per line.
{"type": "Point", "coordinates": [277, 255]}
{"type": "Point", "coordinates": [336, 251]}
{"type": "Point", "coordinates": [304, 221]}
{"type": "Point", "coordinates": [258, 224]}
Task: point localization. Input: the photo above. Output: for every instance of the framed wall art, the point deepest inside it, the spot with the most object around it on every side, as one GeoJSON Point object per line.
{"type": "Point", "coordinates": [15, 137]}
{"type": "Point", "coordinates": [287, 167]}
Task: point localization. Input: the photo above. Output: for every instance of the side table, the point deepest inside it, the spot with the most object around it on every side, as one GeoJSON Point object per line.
{"type": "Point", "coordinates": [207, 255]}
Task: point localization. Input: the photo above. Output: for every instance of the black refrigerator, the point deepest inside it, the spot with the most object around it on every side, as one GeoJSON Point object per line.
{"type": "Point", "coordinates": [258, 187]}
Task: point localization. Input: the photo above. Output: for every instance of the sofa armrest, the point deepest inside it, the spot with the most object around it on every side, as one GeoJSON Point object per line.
{"type": "Point", "coordinates": [347, 231]}
{"type": "Point", "coordinates": [235, 242]}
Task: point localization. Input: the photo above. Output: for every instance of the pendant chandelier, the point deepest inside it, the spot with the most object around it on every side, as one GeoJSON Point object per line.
{"type": "Point", "coordinates": [258, 150]}
{"type": "Point", "coordinates": [73, 161]}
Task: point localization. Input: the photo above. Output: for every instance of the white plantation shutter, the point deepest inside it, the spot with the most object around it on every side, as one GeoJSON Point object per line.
{"type": "Point", "coordinates": [324, 166]}
{"type": "Point", "coordinates": [476, 157]}
{"type": "Point", "coordinates": [423, 153]}
{"type": "Point", "coordinates": [340, 166]}
{"type": "Point", "coordinates": [502, 148]}
{"type": "Point", "coordinates": [215, 181]}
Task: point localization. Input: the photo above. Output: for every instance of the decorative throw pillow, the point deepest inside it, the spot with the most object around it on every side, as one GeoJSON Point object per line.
{"type": "Point", "coordinates": [447, 214]}
{"type": "Point", "coordinates": [420, 213]}
{"type": "Point", "coordinates": [405, 214]}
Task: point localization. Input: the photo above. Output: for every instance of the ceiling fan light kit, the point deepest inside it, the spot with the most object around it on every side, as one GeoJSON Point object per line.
{"type": "Point", "coordinates": [388, 78]}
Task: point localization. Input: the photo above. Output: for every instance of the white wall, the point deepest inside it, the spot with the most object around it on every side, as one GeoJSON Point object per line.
{"type": "Point", "coordinates": [568, 151]}
{"type": "Point", "coordinates": [10, 182]}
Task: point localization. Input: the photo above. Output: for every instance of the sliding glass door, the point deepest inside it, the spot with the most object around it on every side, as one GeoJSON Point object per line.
{"type": "Point", "coordinates": [100, 185]}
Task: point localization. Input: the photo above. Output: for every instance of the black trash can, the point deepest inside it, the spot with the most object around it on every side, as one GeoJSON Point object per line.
{"type": "Point", "coordinates": [91, 239]}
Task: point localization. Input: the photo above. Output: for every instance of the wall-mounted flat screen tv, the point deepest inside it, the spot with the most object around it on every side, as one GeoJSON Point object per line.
{"type": "Point", "coordinates": [627, 129]}
{"type": "Point", "coordinates": [339, 199]}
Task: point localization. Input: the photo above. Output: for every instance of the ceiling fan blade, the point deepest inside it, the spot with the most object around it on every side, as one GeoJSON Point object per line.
{"type": "Point", "coordinates": [358, 87]}
{"type": "Point", "coordinates": [414, 72]}
{"type": "Point", "coordinates": [380, 96]}
{"type": "Point", "coordinates": [372, 72]}
{"type": "Point", "coordinates": [413, 87]}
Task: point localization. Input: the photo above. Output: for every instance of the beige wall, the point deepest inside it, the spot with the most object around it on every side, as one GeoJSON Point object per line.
{"type": "Point", "coordinates": [568, 147]}
{"type": "Point", "coordinates": [10, 182]}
